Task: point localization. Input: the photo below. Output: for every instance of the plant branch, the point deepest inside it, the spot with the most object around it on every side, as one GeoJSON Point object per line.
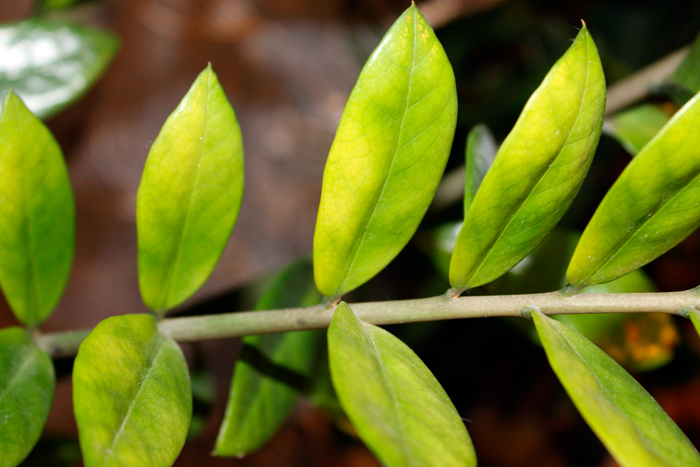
{"type": "Point", "coordinates": [199, 328]}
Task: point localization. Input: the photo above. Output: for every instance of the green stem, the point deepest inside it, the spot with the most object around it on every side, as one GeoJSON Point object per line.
{"type": "Point", "coordinates": [199, 328]}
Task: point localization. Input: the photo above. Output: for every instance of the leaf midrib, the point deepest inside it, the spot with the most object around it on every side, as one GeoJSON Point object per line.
{"type": "Point", "coordinates": [390, 389]}
{"type": "Point", "coordinates": [33, 299]}
{"type": "Point", "coordinates": [609, 398]}
{"type": "Point", "coordinates": [375, 201]}
{"type": "Point", "coordinates": [109, 452]}
{"type": "Point", "coordinates": [175, 264]}
{"type": "Point", "coordinates": [489, 249]}
{"type": "Point", "coordinates": [630, 235]}
{"type": "Point", "coordinates": [25, 365]}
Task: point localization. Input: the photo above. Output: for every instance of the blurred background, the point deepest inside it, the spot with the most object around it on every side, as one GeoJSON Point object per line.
{"type": "Point", "coordinates": [287, 66]}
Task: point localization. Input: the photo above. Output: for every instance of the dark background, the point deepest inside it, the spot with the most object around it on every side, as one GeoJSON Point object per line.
{"type": "Point", "coordinates": [287, 67]}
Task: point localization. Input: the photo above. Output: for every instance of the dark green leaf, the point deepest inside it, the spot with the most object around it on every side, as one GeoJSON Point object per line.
{"type": "Point", "coordinates": [538, 169]}
{"type": "Point", "coordinates": [37, 215]}
{"type": "Point", "coordinates": [393, 400]}
{"type": "Point", "coordinates": [272, 370]}
{"type": "Point", "coordinates": [480, 153]}
{"type": "Point", "coordinates": [131, 395]}
{"type": "Point", "coordinates": [630, 423]}
{"type": "Point", "coordinates": [387, 158]}
{"type": "Point", "coordinates": [50, 64]}
{"type": "Point", "coordinates": [189, 196]}
{"type": "Point", "coordinates": [635, 127]}
{"type": "Point", "coordinates": [26, 390]}
{"type": "Point", "coordinates": [650, 208]}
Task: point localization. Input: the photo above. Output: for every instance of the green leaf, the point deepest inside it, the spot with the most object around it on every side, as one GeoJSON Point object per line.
{"type": "Point", "coordinates": [629, 422]}
{"type": "Point", "coordinates": [272, 370]}
{"type": "Point", "coordinates": [695, 318]}
{"type": "Point", "coordinates": [189, 196]}
{"type": "Point", "coordinates": [387, 158]}
{"type": "Point", "coordinates": [131, 394]}
{"type": "Point", "coordinates": [50, 63]}
{"type": "Point", "coordinates": [635, 127]}
{"type": "Point", "coordinates": [393, 400]}
{"type": "Point", "coordinates": [538, 169]}
{"type": "Point", "coordinates": [650, 209]}
{"type": "Point", "coordinates": [26, 390]}
{"type": "Point", "coordinates": [37, 215]}
{"type": "Point", "coordinates": [480, 153]}
{"type": "Point", "coordinates": [58, 4]}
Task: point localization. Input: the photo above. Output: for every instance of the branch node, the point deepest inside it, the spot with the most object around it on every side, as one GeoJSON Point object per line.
{"type": "Point", "coordinates": [570, 290]}
{"type": "Point", "coordinates": [527, 311]}
{"type": "Point", "coordinates": [453, 293]}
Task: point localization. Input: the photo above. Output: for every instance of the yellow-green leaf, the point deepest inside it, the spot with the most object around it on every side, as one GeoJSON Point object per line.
{"type": "Point", "coordinates": [538, 170]}
{"type": "Point", "coordinates": [480, 152]}
{"type": "Point", "coordinates": [387, 158]}
{"type": "Point", "coordinates": [695, 318]}
{"type": "Point", "coordinates": [26, 390]}
{"type": "Point", "coordinates": [629, 422]}
{"type": "Point", "coordinates": [189, 196]}
{"type": "Point", "coordinates": [651, 208]}
{"type": "Point", "coordinates": [131, 395]}
{"type": "Point", "coordinates": [272, 370]}
{"type": "Point", "coordinates": [393, 400]}
{"type": "Point", "coordinates": [52, 63]}
{"type": "Point", "coordinates": [37, 214]}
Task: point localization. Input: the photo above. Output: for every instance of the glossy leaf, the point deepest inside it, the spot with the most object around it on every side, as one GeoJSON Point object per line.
{"type": "Point", "coordinates": [37, 215]}
{"type": "Point", "coordinates": [629, 422]}
{"type": "Point", "coordinates": [651, 207]}
{"type": "Point", "coordinates": [26, 391]}
{"type": "Point", "coordinates": [190, 195]}
{"type": "Point", "coordinates": [272, 370]}
{"type": "Point", "coordinates": [635, 127]}
{"type": "Point", "coordinates": [50, 64]}
{"type": "Point", "coordinates": [131, 395]}
{"type": "Point", "coordinates": [387, 158]}
{"type": "Point", "coordinates": [538, 169]}
{"type": "Point", "coordinates": [393, 400]}
{"type": "Point", "coordinates": [480, 153]}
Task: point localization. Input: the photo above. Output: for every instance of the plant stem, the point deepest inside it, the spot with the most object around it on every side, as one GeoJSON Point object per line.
{"type": "Point", "coordinates": [199, 328]}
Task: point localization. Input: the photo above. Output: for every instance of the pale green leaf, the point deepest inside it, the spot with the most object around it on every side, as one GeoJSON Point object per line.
{"type": "Point", "coordinates": [629, 422]}
{"type": "Point", "coordinates": [393, 400]}
{"type": "Point", "coordinates": [387, 158]}
{"type": "Point", "coordinates": [189, 196]}
{"type": "Point", "coordinates": [480, 153]}
{"type": "Point", "coordinates": [651, 207]}
{"type": "Point", "coordinates": [635, 127]}
{"type": "Point", "coordinates": [37, 215]}
{"type": "Point", "coordinates": [26, 390]}
{"type": "Point", "coordinates": [538, 170]}
{"type": "Point", "coordinates": [272, 370]}
{"type": "Point", "coordinates": [50, 63]}
{"type": "Point", "coordinates": [131, 395]}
